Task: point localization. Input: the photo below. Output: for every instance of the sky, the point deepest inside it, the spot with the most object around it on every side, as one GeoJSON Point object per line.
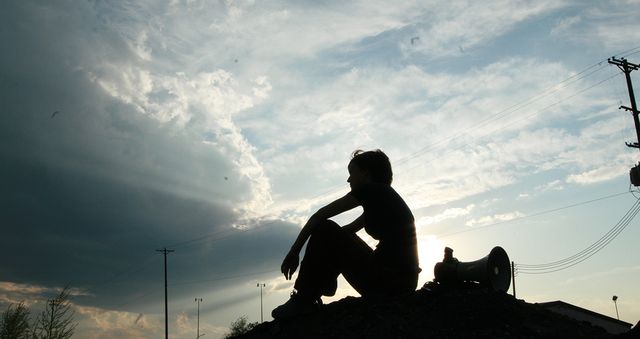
{"type": "Point", "coordinates": [215, 128]}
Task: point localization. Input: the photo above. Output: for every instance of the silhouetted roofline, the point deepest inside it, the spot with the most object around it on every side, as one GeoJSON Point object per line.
{"type": "Point", "coordinates": [584, 310]}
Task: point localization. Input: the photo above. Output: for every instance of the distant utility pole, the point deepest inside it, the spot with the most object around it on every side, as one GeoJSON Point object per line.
{"type": "Point", "coordinates": [627, 68]}
{"type": "Point", "coordinates": [513, 277]}
{"type": "Point", "coordinates": [165, 251]}
{"type": "Point", "coordinates": [261, 285]}
{"type": "Point", "coordinates": [198, 300]}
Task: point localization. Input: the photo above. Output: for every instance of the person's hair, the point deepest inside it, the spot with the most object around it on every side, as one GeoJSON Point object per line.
{"type": "Point", "coordinates": [376, 163]}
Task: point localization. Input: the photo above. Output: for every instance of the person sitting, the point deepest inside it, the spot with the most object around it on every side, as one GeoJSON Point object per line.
{"type": "Point", "coordinates": [391, 268]}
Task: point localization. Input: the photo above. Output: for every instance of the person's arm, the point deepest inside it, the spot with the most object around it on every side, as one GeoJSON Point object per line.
{"type": "Point", "coordinates": [355, 225]}
{"type": "Point", "coordinates": [290, 263]}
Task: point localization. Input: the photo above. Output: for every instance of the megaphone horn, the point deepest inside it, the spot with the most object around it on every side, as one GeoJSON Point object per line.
{"type": "Point", "coordinates": [492, 271]}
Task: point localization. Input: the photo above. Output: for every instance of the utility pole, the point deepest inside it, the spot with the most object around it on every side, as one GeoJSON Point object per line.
{"type": "Point", "coordinates": [513, 277]}
{"type": "Point", "coordinates": [165, 251]}
{"type": "Point", "coordinates": [626, 67]}
{"type": "Point", "coordinates": [198, 300]}
{"type": "Point", "coordinates": [261, 285]}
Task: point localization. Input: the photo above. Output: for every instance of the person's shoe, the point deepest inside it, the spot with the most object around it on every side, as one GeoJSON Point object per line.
{"type": "Point", "coordinates": [296, 305]}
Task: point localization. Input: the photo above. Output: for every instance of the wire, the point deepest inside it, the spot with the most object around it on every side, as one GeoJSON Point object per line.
{"type": "Point", "coordinates": [512, 109]}
{"type": "Point", "coordinates": [130, 270]}
{"type": "Point", "coordinates": [587, 252]}
{"type": "Point", "coordinates": [229, 277]}
{"type": "Point", "coordinates": [593, 246]}
{"type": "Point", "coordinates": [584, 73]}
{"type": "Point", "coordinates": [533, 215]}
{"type": "Point", "coordinates": [529, 116]}
{"type": "Point", "coordinates": [206, 237]}
{"type": "Point", "coordinates": [630, 52]}
{"type": "Point", "coordinates": [633, 190]}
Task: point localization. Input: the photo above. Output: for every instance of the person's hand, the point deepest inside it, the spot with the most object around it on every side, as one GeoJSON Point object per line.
{"type": "Point", "coordinates": [290, 264]}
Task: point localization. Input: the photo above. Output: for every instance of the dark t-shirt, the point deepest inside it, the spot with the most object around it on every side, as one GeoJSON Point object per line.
{"type": "Point", "coordinates": [389, 220]}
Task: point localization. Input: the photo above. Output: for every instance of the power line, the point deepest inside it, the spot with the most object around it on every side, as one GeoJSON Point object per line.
{"type": "Point", "coordinates": [228, 233]}
{"type": "Point", "coordinates": [514, 108]}
{"type": "Point", "coordinates": [586, 72]}
{"type": "Point", "coordinates": [529, 116]}
{"type": "Point", "coordinates": [534, 214]}
{"type": "Point", "coordinates": [225, 232]}
{"type": "Point", "coordinates": [130, 270]}
{"type": "Point", "coordinates": [585, 253]}
{"type": "Point", "coordinates": [196, 282]}
{"type": "Point", "coordinates": [228, 277]}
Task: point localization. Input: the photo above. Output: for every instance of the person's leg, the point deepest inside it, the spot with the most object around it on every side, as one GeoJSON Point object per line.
{"type": "Point", "coordinates": [332, 251]}
{"type": "Point", "coordinates": [320, 267]}
{"type": "Point", "coordinates": [370, 277]}
{"type": "Point", "coordinates": [329, 251]}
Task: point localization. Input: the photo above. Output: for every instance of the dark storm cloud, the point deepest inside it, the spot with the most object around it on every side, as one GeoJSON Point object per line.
{"type": "Point", "coordinates": [90, 188]}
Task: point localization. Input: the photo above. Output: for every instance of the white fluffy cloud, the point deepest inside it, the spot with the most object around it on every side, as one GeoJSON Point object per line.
{"type": "Point", "coordinates": [494, 219]}
{"type": "Point", "coordinates": [449, 213]}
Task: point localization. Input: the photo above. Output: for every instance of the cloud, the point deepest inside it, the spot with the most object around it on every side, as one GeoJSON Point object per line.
{"type": "Point", "coordinates": [219, 127]}
{"type": "Point", "coordinates": [597, 175]}
{"type": "Point", "coordinates": [564, 25]}
{"type": "Point", "coordinates": [29, 294]}
{"type": "Point", "coordinates": [138, 158]}
{"type": "Point", "coordinates": [99, 323]}
{"type": "Point", "coordinates": [281, 284]}
{"type": "Point", "coordinates": [555, 185]}
{"type": "Point", "coordinates": [211, 98]}
{"type": "Point", "coordinates": [93, 322]}
{"type": "Point", "coordinates": [502, 139]}
{"type": "Point", "coordinates": [449, 213]}
{"type": "Point", "coordinates": [494, 219]}
{"type": "Point", "coordinates": [183, 323]}
{"type": "Point", "coordinates": [599, 25]}
{"type": "Point", "coordinates": [470, 24]}
{"type": "Point", "coordinates": [291, 30]}
{"type": "Point", "coordinates": [26, 289]}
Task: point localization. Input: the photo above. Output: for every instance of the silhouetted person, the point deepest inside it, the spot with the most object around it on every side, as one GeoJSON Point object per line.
{"type": "Point", "coordinates": [392, 268]}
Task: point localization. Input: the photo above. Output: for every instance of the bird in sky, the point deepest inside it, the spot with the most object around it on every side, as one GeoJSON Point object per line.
{"type": "Point", "coordinates": [414, 39]}
{"type": "Point", "coordinates": [54, 114]}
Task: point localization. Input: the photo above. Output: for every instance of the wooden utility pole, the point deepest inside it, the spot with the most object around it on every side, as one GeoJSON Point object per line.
{"type": "Point", "coordinates": [165, 251]}
{"type": "Point", "coordinates": [626, 67]}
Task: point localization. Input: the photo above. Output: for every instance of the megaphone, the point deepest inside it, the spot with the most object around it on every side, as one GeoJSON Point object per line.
{"type": "Point", "coordinates": [492, 271]}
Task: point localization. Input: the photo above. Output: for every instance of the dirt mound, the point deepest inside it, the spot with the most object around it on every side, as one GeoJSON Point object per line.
{"type": "Point", "coordinates": [432, 312]}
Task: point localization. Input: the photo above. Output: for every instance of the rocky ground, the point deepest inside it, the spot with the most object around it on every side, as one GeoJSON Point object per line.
{"type": "Point", "coordinates": [435, 312]}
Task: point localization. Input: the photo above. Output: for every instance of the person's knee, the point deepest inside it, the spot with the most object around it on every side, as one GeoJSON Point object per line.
{"type": "Point", "coordinates": [328, 225]}
{"type": "Point", "coordinates": [326, 229]}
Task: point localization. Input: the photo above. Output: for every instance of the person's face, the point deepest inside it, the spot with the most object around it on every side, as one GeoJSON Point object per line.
{"type": "Point", "coordinates": [357, 176]}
